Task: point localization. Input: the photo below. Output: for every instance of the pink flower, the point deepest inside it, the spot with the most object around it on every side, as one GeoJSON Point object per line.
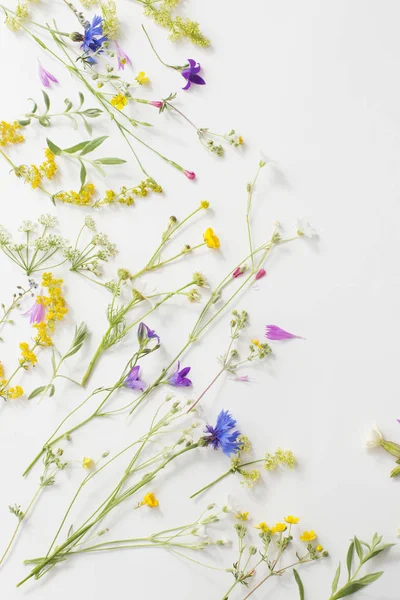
{"type": "Point", "coordinates": [273, 332]}
{"type": "Point", "coordinates": [244, 378]}
{"type": "Point", "coordinates": [261, 273]}
{"type": "Point", "coordinates": [46, 77]}
{"type": "Point", "coordinates": [123, 59]}
{"type": "Point", "coordinates": [237, 272]}
{"type": "Point", "coordinates": [189, 174]}
{"type": "Point", "coordinates": [156, 103]}
{"type": "Point", "coordinates": [36, 312]}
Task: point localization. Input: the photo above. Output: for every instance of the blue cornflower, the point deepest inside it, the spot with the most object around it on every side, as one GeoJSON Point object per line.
{"type": "Point", "coordinates": [90, 41]}
{"type": "Point", "coordinates": [222, 436]}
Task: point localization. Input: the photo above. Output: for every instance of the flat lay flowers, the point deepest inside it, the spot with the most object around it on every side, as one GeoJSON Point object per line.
{"type": "Point", "coordinates": [146, 348]}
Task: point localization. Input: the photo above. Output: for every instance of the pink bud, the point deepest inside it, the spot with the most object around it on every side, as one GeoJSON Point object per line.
{"type": "Point", "coordinates": [190, 174]}
{"type": "Point", "coordinates": [237, 272]}
{"type": "Point", "coordinates": [156, 103]}
{"type": "Point", "coordinates": [260, 274]}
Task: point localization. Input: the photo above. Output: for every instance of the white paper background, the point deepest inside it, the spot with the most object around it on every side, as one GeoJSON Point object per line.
{"type": "Point", "coordinates": [311, 86]}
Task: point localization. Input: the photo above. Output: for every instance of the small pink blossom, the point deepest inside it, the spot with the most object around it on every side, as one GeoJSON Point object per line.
{"type": "Point", "coordinates": [244, 378]}
{"type": "Point", "coordinates": [273, 332]}
{"type": "Point", "coordinates": [36, 312]}
{"type": "Point", "coordinates": [122, 57]}
{"type": "Point", "coordinates": [261, 273]}
{"type": "Point", "coordinates": [46, 77]}
{"type": "Point", "coordinates": [237, 272]}
{"type": "Point", "coordinates": [156, 103]}
{"type": "Point", "coordinates": [189, 174]}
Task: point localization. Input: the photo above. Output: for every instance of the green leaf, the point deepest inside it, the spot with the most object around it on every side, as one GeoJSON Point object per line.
{"type": "Point", "coordinates": [53, 361]}
{"type": "Point", "coordinates": [68, 104]}
{"type": "Point", "coordinates": [81, 99]}
{"type": "Point", "coordinates": [46, 100]}
{"type": "Point", "coordinates": [52, 389]}
{"type": "Point", "coordinates": [349, 558]}
{"type": "Point", "coordinates": [358, 547]}
{"type": "Point", "coordinates": [336, 579]}
{"type": "Point", "coordinates": [83, 174]}
{"type": "Point", "coordinates": [110, 161]}
{"type": "Point", "coordinates": [92, 113]}
{"type": "Point", "coordinates": [55, 149]}
{"type": "Point", "coordinates": [94, 144]}
{"type": "Point", "coordinates": [39, 41]}
{"type": "Point", "coordinates": [36, 392]}
{"type": "Point", "coordinates": [35, 106]}
{"type": "Point", "coordinates": [377, 550]}
{"type": "Point", "coordinates": [44, 121]}
{"type": "Point", "coordinates": [357, 585]}
{"type": "Point", "coordinates": [24, 122]}
{"type": "Point", "coordinates": [76, 148]}
{"type": "Point", "coordinates": [395, 472]}
{"type": "Point", "coordinates": [299, 584]}
{"type": "Point", "coordinates": [88, 127]}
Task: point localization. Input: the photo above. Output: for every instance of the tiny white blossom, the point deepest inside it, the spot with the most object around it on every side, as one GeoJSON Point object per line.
{"type": "Point", "coordinates": [304, 228]}
{"type": "Point", "coordinates": [374, 438]}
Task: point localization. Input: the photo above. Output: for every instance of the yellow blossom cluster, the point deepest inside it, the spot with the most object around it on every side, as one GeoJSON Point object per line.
{"type": "Point", "coordinates": [34, 174]}
{"type": "Point", "coordinates": [9, 133]}
{"type": "Point", "coordinates": [27, 355]}
{"type": "Point", "coordinates": [149, 500]}
{"type": "Point", "coordinates": [81, 198]}
{"type": "Point", "coordinates": [126, 195]}
{"type": "Point", "coordinates": [11, 393]}
{"type": "Point", "coordinates": [56, 309]}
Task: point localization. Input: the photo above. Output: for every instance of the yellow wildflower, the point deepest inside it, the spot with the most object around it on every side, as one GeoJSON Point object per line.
{"type": "Point", "coordinates": [88, 463]}
{"type": "Point", "coordinates": [119, 101]}
{"type": "Point", "coordinates": [242, 516]}
{"type": "Point", "coordinates": [150, 500]}
{"type": "Point", "coordinates": [240, 140]}
{"type": "Point", "coordinates": [8, 133]}
{"type": "Point", "coordinates": [319, 548]}
{"type": "Point", "coordinates": [308, 536]}
{"type": "Point", "coordinates": [142, 78]}
{"type": "Point", "coordinates": [28, 356]}
{"type": "Point", "coordinates": [42, 338]}
{"type": "Point", "coordinates": [204, 204]}
{"type": "Point", "coordinates": [263, 527]}
{"type": "Point", "coordinates": [292, 520]}
{"type": "Point", "coordinates": [81, 198]}
{"type": "Point", "coordinates": [279, 528]}
{"type": "Point", "coordinates": [15, 392]}
{"type": "Point", "coordinates": [211, 240]}
{"type": "Point", "coordinates": [256, 343]}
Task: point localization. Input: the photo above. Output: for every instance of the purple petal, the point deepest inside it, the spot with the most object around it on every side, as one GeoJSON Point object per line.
{"type": "Point", "coordinates": [187, 86]}
{"type": "Point", "coordinates": [185, 382]}
{"type": "Point", "coordinates": [191, 62]}
{"type": "Point", "coordinates": [184, 371]}
{"type": "Point", "coordinates": [51, 77]}
{"type": "Point", "coordinates": [197, 79]}
{"type": "Point", "coordinates": [134, 372]}
{"type": "Point", "coordinates": [273, 332]}
{"type": "Point", "coordinates": [136, 385]}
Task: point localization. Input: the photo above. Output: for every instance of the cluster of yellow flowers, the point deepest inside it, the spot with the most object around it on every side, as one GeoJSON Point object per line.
{"type": "Point", "coordinates": [56, 309]}
{"type": "Point", "coordinates": [34, 174]}
{"type": "Point", "coordinates": [9, 133]}
{"type": "Point", "coordinates": [81, 198]}
{"type": "Point", "coordinates": [126, 195]}
{"type": "Point", "coordinates": [149, 500]}
{"type": "Point", "coordinates": [28, 357]}
{"type": "Point", "coordinates": [11, 393]}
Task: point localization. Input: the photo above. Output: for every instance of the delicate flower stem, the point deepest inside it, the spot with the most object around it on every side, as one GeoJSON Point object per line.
{"type": "Point", "coordinates": [231, 470]}
{"type": "Point", "coordinates": [176, 68]}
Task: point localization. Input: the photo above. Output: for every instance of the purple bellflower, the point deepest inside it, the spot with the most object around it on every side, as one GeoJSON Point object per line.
{"type": "Point", "coordinates": [179, 379]}
{"type": "Point", "coordinates": [191, 74]}
{"type": "Point", "coordinates": [275, 333]}
{"type": "Point", "coordinates": [132, 380]}
{"type": "Point", "coordinates": [122, 57]}
{"type": "Point", "coordinates": [222, 435]}
{"type": "Point", "coordinates": [145, 333]}
{"type": "Point", "coordinates": [46, 77]}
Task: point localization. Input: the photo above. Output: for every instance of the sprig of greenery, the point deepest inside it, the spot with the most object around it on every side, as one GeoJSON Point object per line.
{"type": "Point", "coordinates": [17, 297]}
{"type": "Point", "coordinates": [70, 112]}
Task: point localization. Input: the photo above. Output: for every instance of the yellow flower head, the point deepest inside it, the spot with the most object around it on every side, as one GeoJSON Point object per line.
{"type": "Point", "coordinates": [292, 520]}
{"type": "Point", "coordinates": [308, 536]}
{"type": "Point", "coordinates": [211, 240]}
{"type": "Point", "coordinates": [119, 101]}
{"type": "Point", "coordinates": [88, 463]}
{"type": "Point", "coordinates": [142, 78]}
{"type": "Point", "coordinates": [279, 528]}
{"type": "Point", "coordinates": [319, 548]}
{"type": "Point", "coordinates": [8, 133]}
{"type": "Point", "coordinates": [15, 392]}
{"type": "Point", "coordinates": [1, 370]}
{"type": "Point", "coordinates": [27, 355]}
{"type": "Point", "coordinates": [240, 140]}
{"type": "Point", "coordinates": [150, 500]}
{"type": "Point", "coordinates": [242, 516]}
{"type": "Point", "coordinates": [204, 204]}
{"type": "Point", "coordinates": [256, 343]}
{"type": "Point", "coordinates": [263, 527]}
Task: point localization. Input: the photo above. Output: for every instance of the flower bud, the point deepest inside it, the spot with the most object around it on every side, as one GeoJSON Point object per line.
{"type": "Point", "coordinates": [189, 174]}
{"type": "Point", "coordinates": [76, 37]}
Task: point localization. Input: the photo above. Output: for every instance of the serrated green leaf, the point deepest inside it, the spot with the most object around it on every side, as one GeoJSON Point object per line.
{"type": "Point", "coordinates": [36, 392]}
{"type": "Point", "coordinates": [357, 585]}
{"type": "Point", "coordinates": [46, 100]}
{"type": "Point", "coordinates": [55, 149]}
{"type": "Point", "coordinates": [299, 584]}
{"type": "Point", "coordinates": [336, 579]}
{"type": "Point", "coordinates": [83, 174]}
{"type": "Point", "coordinates": [110, 161]}
{"type": "Point", "coordinates": [94, 144]}
{"type": "Point", "coordinates": [349, 558]}
{"type": "Point", "coordinates": [76, 148]}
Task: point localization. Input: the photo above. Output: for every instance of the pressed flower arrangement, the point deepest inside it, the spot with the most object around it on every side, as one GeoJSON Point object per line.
{"type": "Point", "coordinates": [182, 428]}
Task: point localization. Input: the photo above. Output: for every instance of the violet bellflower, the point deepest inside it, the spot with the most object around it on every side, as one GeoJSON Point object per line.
{"type": "Point", "coordinates": [275, 333]}
{"type": "Point", "coordinates": [144, 333]}
{"type": "Point", "coordinates": [223, 436]}
{"type": "Point", "coordinates": [132, 380]}
{"type": "Point", "coordinates": [179, 379]}
{"type": "Point", "coordinates": [36, 312]}
{"type": "Point", "coordinates": [90, 40]}
{"type": "Point", "coordinates": [191, 74]}
{"type": "Point", "coordinates": [122, 58]}
{"type": "Point", "coordinates": [46, 77]}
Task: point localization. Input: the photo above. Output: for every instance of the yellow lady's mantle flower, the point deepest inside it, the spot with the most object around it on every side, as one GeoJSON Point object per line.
{"type": "Point", "coordinates": [292, 520]}
{"type": "Point", "coordinates": [263, 527]}
{"type": "Point", "coordinates": [150, 500]}
{"type": "Point", "coordinates": [142, 78]}
{"type": "Point", "coordinates": [211, 240]}
{"type": "Point", "coordinates": [15, 392]}
{"type": "Point", "coordinates": [119, 101]}
{"type": "Point", "coordinates": [81, 198]}
{"type": "Point", "coordinates": [308, 536]}
{"type": "Point", "coordinates": [8, 133]}
{"type": "Point", "coordinates": [256, 343]}
{"type": "Point", "coordinates": [88, 463]}
{"type": "Point", "coordinates": [27, 355]}
{"type": "Point", "coordinates": [242, 516]}
{"type": "Point", "coordinates": [279, 528]}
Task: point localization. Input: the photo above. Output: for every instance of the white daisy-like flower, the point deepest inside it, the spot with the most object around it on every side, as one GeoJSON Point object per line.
{"type": "Point", "coordinates": [304, 228]}
{"type": "Point", "coordinates": [374, 438]}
